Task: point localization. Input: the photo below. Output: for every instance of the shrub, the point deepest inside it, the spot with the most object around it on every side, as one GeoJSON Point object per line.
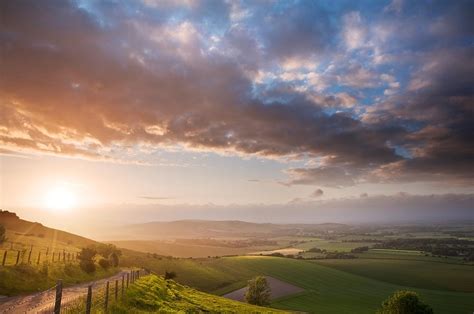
{"type": "Point", "coordinates": [170, 275]}
{"type": "Point", "coordinates": [258, 291]}
{"type": "Point", "coordinates": [87, 266]}
{"type": "Point", "coordinates": [104, 263]}
{"type": "Point", "coordinates": [405, 302]}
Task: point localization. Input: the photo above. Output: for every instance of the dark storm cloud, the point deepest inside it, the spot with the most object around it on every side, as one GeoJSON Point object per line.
{"type": "Point", "coordinates": [92, 78]}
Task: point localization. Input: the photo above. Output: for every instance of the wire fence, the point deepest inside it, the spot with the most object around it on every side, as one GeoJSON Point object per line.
{"type": "Point", "coordinates": [36, 256]}
{"type": "Point", "coordinates": [94, 298]}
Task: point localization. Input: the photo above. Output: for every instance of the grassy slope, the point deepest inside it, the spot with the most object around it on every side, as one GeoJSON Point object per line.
{"type": "Point", "coordinates": [153, 294]}
{"type": "Point", "coordinates": [25, 278]}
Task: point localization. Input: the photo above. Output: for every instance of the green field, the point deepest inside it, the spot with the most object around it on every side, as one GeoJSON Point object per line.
{"type": "Point", "coordinates": [328, 290]}
{"type": "Point", "coordinates": [419, 274]}
{"type": "Point", "coordinates": [332, 245]}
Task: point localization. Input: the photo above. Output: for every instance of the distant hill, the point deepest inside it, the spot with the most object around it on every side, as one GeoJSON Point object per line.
{"type": "Point", "coordinates": [216, 229]}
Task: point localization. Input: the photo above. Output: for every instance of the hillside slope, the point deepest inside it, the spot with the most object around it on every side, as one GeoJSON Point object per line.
{"type": "Point", "coordinates": [19, 230]}
{"type": "Point", "coordinates": [154, 294]}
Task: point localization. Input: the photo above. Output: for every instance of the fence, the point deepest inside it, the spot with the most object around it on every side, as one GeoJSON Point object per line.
{"type": "Point", "coordinates": [93, 298]}
{"type": "Point", "coordinates": [35, 256]}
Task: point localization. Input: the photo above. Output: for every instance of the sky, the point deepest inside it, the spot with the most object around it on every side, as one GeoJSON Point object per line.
{"type": "Point", "coordinates": [252, 110]}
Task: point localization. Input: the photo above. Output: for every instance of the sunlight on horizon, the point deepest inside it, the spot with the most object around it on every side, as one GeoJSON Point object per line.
{"type": "Point", "coordinates": [60, 198]}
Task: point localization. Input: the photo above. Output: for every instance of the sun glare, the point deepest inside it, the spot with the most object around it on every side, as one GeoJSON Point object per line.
{"type": "Point", "coordinates": [60, 198]}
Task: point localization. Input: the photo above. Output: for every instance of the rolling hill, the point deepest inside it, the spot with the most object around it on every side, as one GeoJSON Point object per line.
{"type": "Point", "coordinates": [214, 229]}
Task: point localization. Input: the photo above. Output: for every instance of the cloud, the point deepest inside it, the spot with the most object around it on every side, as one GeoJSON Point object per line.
{"type": "Point", "coordinates": [106, 81]}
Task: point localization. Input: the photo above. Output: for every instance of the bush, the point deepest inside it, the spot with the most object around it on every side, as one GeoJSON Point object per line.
{"type": "Point", "coordinates": [405, 302]}
{"type": "Point", "coordinates": [258, 292]}
{"type": "Point", "coordinates": [104, 263]}
{"type": "Point", "coordinates": [87, 266]}
{"type": "Point", "coordinates": [170, 275]}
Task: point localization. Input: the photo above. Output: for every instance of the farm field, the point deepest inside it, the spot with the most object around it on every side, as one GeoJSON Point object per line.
{"type": "Point", "coordinates": [171, 248]}
{"type": "Point", "coordinates": [327, 289]}
{"type": "Point", "coordinates": [412, 273]}
{"type": "Point", "coordinates": [332, 245]}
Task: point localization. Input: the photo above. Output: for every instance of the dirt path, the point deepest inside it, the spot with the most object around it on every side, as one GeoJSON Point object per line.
{"type": "Point", "coordinates": [38, 302]}
{"type": "Point", "coordinates": [278, 289]}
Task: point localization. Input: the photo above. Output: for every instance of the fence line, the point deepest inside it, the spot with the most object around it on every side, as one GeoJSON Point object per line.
{"type": "Point", "coordinates": [96, 297]}
{"type": "Point", "coordinates": [16, 257]}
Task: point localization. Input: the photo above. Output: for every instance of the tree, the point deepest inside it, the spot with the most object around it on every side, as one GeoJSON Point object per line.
{"type": "Point", "coordinates": [258, 291]}
{"type": "Point", "coordinates": [405, 302]}
{"type": "Point", "coordinates": [110, 252]}
{"type": "Point", "coordinates": [170, 275]}
{"type": "Point", "coordinates": [3, 238]}
{"type": "Point", "coordinates": [86, 259]}
{"type": "Point", "coordinates": [104, 263]}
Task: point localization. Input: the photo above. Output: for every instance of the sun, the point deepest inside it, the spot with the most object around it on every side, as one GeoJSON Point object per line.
{"type": "Point", "coordinates": [60, 198]}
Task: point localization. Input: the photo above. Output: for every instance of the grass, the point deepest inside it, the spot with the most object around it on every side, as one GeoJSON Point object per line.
{"type": "Point", "coordinates": [26, 278]}
{"type": "Point", "coordinates": [41, 273]}
{"type": "Point", "coordinates": [154, 294]}
{"type": "Point", "coordinates": [420, 274]}
{"type": "Point", "coordinates": [328, 290]}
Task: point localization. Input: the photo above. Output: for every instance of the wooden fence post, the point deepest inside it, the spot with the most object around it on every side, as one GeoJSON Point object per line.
{"type": "Point", "coordinates": [29, 256]}
{"type": "Point", "coordinates": [123, 282]}
{"type": "Point", "coordinates": [53, 258]}
{"type": "Point", "coordinates": [47, 251]}
{"type": "Point", "coordinates": [59, 295]}
{"type": "Point", "coordinates": [64, 256]}
{"type": "Point", "coordinates": [106, 296]}
{"type": "Point", "coordinates": [89, 299]}
{"type": "Point", "coordinates": [4, 258]}
{"type": "Point", "coordinates": [128, 279]}
{"type": "Point", "coordinates": [39, 258]}
{"type": "Point", "coordinates": [116, 289]}
{"type": "Point", "coordinates": [18, 258]}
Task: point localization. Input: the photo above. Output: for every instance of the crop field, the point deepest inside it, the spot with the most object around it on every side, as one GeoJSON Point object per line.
{"type": "Point", "coordinates": [412, 273]}
{"type": "Point", "coordinates": [170, 248]}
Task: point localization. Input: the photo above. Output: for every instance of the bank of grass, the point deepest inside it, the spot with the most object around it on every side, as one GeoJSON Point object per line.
{"type": "Point", "coordinates": [154, 294]}
{"type": "Point", "coordinates": [23, 279]}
